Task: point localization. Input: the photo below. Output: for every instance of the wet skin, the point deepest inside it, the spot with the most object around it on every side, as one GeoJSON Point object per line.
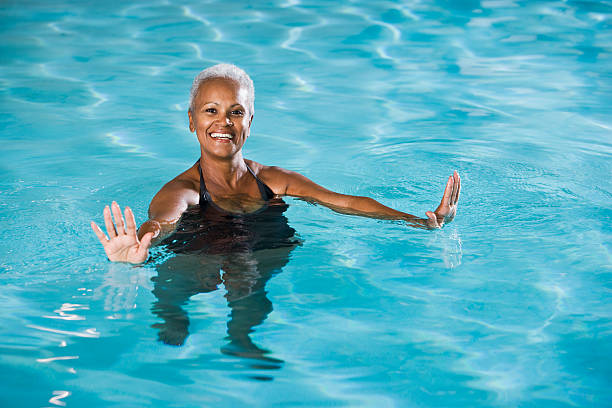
{"type": "Point", "coordinates": [222, 125]}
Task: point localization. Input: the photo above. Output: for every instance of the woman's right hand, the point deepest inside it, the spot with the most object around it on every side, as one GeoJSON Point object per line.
{"type": "Point", "coordinates": [122, 243]}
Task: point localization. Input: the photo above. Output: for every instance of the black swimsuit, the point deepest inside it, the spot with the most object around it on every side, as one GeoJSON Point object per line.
{"type": "Point", "coordinates": [205, 199]}
{"type": "Point", "coordinates": [209, 229]}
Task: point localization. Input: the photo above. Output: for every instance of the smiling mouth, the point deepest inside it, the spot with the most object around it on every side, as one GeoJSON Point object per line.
{"type": "Point", "coordinates": [225, 136]}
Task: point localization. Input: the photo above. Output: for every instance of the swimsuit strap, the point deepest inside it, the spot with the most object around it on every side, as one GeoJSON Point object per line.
{"type": "Point", "coordinates": [204, 196]}
{"type": "Point", "coordinates": [266, 193]}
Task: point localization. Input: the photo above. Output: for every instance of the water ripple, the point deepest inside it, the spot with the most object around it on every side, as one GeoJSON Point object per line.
{"type": "Point", "coordinates": [87, 333]}
{"type": "Point", "coordinates": [508, 305]}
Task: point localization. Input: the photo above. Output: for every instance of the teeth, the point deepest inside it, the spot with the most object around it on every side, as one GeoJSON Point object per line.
{"type": "Point", "coordinates": [221, 135]}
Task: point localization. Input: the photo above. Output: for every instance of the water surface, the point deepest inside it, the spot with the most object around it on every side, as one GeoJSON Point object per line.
{"type": "Point", "coordinates": [507, 306]}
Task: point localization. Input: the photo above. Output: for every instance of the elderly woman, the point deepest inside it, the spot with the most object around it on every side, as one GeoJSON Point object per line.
{"type": "Point", "coordinates": [223, 183]}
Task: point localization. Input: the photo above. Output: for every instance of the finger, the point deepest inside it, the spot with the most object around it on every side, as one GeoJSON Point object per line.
{"type": "Point", "coordinates": [118, 218]}
{"type": "Point", "coordinates": [145, 243]}
{"type": "Point", "coordinates": [108, 222]}
{"type": "Point", "coordinates": [433, 219]}
{"type": "Point", "coordinates": [130, 222]}
{"type": "Point", "coordinates": [101, 236]}
{"type": "Point", "coordinates": [458, 183]}
{"type": "Point", "coordinates": [448, 191]}
{"type": "Point", "coordinates": [454, 191]}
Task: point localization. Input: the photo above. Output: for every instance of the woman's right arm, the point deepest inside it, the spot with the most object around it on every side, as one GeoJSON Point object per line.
{"type": "Point", "coordinates": [124, 243]}
{"type": "Point", "coordinates": [167, 207]}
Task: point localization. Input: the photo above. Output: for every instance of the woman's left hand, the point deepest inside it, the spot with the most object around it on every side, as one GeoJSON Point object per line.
{"type": "Point", "coordinates": [448, 206]}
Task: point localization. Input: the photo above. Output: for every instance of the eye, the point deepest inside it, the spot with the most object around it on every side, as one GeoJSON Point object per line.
{"type": "Point", "coordinates": [210, 110]}
{"type": "Point", "coordinates": [238, 112]}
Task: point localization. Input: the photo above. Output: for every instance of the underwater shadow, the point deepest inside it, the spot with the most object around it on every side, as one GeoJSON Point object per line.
{"type": "Point", "coordinates": [239, 252]}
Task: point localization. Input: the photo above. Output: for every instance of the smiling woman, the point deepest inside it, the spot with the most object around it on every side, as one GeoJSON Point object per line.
{"type": "Point", "coordinates": [222, 181]}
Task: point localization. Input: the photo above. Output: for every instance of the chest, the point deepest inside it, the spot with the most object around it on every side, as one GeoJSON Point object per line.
{"type": "Point", "coordinates": [234, 203]}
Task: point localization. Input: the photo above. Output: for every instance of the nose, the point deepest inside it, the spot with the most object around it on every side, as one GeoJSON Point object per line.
{"type": "Point", "coordinates": [228, 121]}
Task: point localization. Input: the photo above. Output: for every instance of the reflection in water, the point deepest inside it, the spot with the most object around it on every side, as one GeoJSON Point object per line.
{"type": "Point", "coordinates": [120, 288]}
{"type": "Point", "coordinates": [213, 248]}
{"type": "Point", "coordinates": [452, 249]}
{"type": "Point", "coordinates": [58, 396]}
{"type": "Point", "coordinates": [450, 246]}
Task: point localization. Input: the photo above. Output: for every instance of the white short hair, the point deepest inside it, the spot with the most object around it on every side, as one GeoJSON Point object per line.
{"type": "Point", "coordinates": [228, 71]}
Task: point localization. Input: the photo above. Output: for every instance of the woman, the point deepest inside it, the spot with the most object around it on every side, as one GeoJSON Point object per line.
{"type": "Point", "coordinates": [222, 181]}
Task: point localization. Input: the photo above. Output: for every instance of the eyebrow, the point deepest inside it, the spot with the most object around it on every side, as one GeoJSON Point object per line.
{"type": "Point", "coordinates": [234, 105]}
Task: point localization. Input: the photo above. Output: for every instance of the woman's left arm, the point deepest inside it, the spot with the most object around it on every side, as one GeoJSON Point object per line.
{"type": "Point", "coordinates": [289, 183]}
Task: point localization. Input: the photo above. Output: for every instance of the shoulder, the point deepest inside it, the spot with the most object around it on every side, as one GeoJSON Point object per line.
{"type": "Point", "coordinates": [274, 177]}
{"type": "Point", "coordinates": [282, 181]}
{"type": "Point", "coordinates": [262, 170]}
{"type": "Point", "coordinates": [177, 194]}
{"type": "Point", "coordinates": [187, 180]}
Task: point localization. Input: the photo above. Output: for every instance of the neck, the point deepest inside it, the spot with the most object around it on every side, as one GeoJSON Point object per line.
{"type": "Point", "coordinates": [225, 171]}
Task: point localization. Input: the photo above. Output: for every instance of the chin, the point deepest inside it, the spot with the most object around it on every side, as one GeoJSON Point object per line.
{"type": "Point", "coordinates": [222, 152]}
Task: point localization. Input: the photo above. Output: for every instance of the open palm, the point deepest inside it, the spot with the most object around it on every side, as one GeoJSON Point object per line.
{"type": "Point", "coordinates": [448, 206]}
{"type": "Point", "coordinates": [122, 243]}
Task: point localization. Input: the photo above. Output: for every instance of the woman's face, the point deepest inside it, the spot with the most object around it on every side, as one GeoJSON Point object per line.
{"type": "Point", "coordinates": [220, 118]}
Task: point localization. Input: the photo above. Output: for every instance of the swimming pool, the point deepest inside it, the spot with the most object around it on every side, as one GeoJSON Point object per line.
{"type": "Point", "coordinates": [507, 306]}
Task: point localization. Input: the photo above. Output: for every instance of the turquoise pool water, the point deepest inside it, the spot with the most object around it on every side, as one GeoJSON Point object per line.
{"type": "Point", "coordinates": [507, 306]}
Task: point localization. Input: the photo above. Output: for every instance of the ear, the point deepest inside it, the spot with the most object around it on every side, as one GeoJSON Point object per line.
{"type": "Point", "coordinates": [191, 123]}
{"type": "Point", "coordinates": [249, 128]}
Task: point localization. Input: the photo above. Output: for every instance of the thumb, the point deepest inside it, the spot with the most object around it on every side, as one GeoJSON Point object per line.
{"type": "Point", "coordinates": [433, 219]}
{"type": "Point", "coordinates": [145, 243]}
